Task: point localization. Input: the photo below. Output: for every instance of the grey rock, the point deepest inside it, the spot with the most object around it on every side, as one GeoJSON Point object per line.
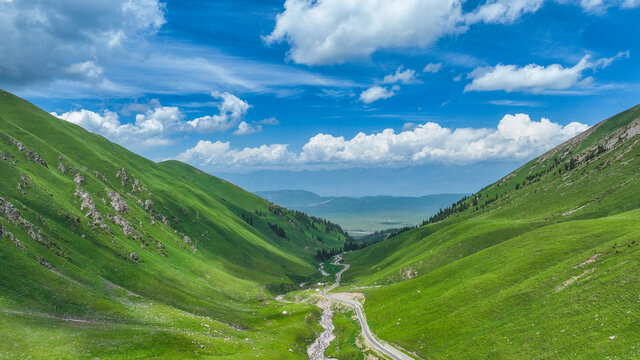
{"type": "Point", "coordinates": [35, 157]}
{"type": "Point", "coordinates": [45, 263]}
{"type": "Point", "coordinates": [78, 178]}
{"type": "Point", "coordinates": [118, 204]}
{"type": "Point", "coordinates": [122, 175]}
{"type": "Point", "coordinates": [127, 229]}
{"type": "Point", "coordinates": [137, 186]}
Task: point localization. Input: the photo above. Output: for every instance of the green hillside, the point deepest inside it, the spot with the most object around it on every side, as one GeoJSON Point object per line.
{"type": "Point", "coordinates": [363, 214]}
{"type": "Point", "coordinates": [544, 263]}
{"type": "Point", "coordinates": [105, 254]}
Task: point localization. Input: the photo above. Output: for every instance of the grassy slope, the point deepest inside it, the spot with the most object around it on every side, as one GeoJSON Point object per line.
{"type": "Point", "coordinates": [506, 277]}
{"type": "Point", "coordinates": [177, 298]}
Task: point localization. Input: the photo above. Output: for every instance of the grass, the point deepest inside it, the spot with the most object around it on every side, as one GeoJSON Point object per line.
{"type": "Point", "coordinates": [542, 264]}
{"type": "Point", "coordinates": [206, 254]}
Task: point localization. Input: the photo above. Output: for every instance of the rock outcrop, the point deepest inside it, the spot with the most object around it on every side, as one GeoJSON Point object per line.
{"type": "Point", "coordinates": [16, 218]}
{"type": "Point", "coordinates": [117, 202]}
{"type": "Point", "coordinates": [87, 203]}
{"type": "Point", "coordinates": [127, 229]}
{"type": "Point", "coordinates": [78, 178]}
{"type": "Point", "coordinates": [123, 176]}
{"type": "Point", "coordinates": [31, 155]}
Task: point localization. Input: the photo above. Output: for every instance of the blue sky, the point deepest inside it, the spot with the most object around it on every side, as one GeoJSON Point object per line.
{"type": "Point", "coordinates": [338, 97]}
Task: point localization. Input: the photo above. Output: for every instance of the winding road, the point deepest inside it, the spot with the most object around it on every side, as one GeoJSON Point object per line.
{"type": "Point", "coordinates": [382, 347]}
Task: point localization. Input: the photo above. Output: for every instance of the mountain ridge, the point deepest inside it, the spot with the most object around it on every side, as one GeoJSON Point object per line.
{"type": "Point", "coordinates": [543, 261]}
{"type": "Point", "coordinates": [92, 234]}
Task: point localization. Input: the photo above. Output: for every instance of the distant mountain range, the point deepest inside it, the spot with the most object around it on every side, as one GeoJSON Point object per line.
{"type": "Point", "coordinates": [360, 215]}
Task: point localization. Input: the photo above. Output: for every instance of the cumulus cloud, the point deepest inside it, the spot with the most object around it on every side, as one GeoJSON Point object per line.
{"type": "Point", "coordinates": [376, 93]}
{"type": "Point", "coordinates": [220, 153]}
{"type": "Point", "coordinates": [149, 129]}
{"type": "Point", "coordinates": [232, 110]}
{"type": "Point", "coordinates": [335, 31]}
{"type": "Point", "coordinates": [43, 39]}
{"type": "Point", "coordinates": [536, 78]}
{"type": "Point", "coordinates": [159, 124]}
{"type": "Point", "coordinates": [407, 76]}
{"type": "Point", "coordinates": [432, 68]}
{"type": "Point", "coordinates": [516, 136]}
{"type": "Point", "coordinates": [244, 128]}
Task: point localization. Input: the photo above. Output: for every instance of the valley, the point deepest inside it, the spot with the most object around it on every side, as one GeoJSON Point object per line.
{"type": "Point", "coordinates": [363, 215]}
{"type": "Point", "coordinates": [319, 180]}
{"type": "Point", "coordinates": [106, 254]}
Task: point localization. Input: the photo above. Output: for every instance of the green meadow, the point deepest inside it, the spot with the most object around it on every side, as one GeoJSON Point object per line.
{"type": "Point", "coordinates": [187, 267]}
{"type": "Point", "coordinates": [105, 254]}
{"type": "Point", "coordinates": [542, 264]}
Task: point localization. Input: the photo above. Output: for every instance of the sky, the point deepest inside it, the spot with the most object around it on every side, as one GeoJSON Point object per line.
{"type": "Point", "coordinates": [339, 97]}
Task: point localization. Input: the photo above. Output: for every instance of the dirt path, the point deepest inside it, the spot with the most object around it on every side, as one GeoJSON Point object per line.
{"type": "Point", "coordinates": [378, 345]}
{"type": "Point", "coordinates": [317, 349]}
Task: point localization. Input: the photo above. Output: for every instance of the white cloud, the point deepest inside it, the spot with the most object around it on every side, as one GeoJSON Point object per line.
{"type": "Point", "coordinates": [270, 121]}
{"type": "Point", "coordinates": [515, 137]}
{"type": "Point", "coordinates": [535, 78]}
{"type": "Point", "coordinates": [244, 128]}
{"type": "Point", "coordinates": [600, 6]}
{"type": "Point", "coordinates": [149, 129]}
{"type": "Point", "coordinates": [376, 93]}
{"type": "Point", "coordinates": [232, 110]}
{"type": "Point", "coordinates": [220, 153]}
{"type": "Point", "coordinates": [335, 31]}
{"type": "Point", "coordinates": [503, 11]}
{"type": "Point", "coordinates": [401, 76]}
{"type": "Point", "coordinates": [159, 124]}
{"type": "Point", "coordinates": [432, 68]}
{"type": "Point", "coordinates": [45, 40]}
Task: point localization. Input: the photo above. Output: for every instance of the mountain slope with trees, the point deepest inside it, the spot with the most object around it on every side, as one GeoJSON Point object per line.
{"type": "Point", "coordinates": [369, 213]}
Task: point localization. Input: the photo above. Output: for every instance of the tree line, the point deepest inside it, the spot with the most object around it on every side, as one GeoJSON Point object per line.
{"type": "Point", "coordinates": [351, 244]}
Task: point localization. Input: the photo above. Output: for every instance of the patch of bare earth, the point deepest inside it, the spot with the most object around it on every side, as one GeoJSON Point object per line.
{"type": "Point", "coordinates": [352, 296]}
{"type": "Point", "coordinates": [590, 260]}
{"type": "Point", "coordinates": [573, 279]}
